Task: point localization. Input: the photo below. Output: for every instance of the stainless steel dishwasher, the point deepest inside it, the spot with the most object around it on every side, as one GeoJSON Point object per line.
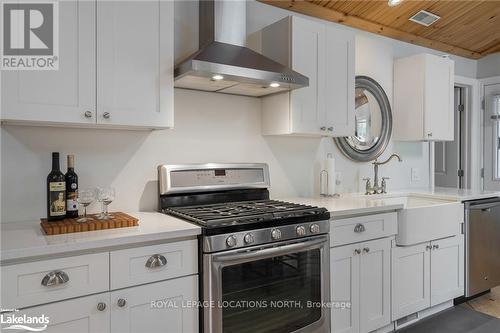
{"type": "Point", "coordinates": [482, 245]}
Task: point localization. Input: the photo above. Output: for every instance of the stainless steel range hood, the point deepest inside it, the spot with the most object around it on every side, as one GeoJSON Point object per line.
{"type": "Point", "coordinates": [223, 64]}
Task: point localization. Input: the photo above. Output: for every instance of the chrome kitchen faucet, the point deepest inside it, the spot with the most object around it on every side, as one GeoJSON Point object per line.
{"type": "Point", "coordinates": [376, 189]}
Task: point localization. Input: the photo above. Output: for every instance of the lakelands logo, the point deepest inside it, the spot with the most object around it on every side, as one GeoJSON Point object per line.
{"type": "Point", "coordinates": [15, 321]}
{"type": "Point", "coordinates": [30, 35]}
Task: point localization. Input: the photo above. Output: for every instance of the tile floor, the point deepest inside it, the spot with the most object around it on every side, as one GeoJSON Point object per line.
{"type": "Point", "coordinates": [488, 304]}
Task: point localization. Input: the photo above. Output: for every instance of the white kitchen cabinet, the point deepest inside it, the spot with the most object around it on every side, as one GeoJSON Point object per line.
{"type": "Point", "coordinates": [156, 307]}
{"type": "Point", "coordinates": [426, 275]}
{"type": "Point", "coordinates": [411, 280]}
{"type": "Point", "coordinates": [447, 269]}
{"type": "Point", "coordinates": [116, 69]}
{"type": "Point", "coordinates": [323, 53]}
{"type": "Point", "coordinates": [135, 63]}
{"type": "Point", "coordinates": [75, 315]}
{"type": "Point", "coordinates": [360, 275]}
{"type": "Point", "coordinates": [59, 96]}
{"type": "Point", "coordinates": [423, 98]}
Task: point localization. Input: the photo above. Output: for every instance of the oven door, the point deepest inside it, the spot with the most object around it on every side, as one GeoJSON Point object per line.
{"type": "Point", "coordinates": [279, 288]}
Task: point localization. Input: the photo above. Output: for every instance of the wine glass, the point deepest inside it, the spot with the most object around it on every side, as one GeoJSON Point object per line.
{"type": "Point", "coordinates": [85, 197]}
{"type": "Point", "coordinates": [106, 196]}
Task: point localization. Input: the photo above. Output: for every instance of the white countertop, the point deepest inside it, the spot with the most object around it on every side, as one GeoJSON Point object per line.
{"type": "Point", "coordinates": [447, 193]}
{"type": "Point", "coordinates": [21, 240]}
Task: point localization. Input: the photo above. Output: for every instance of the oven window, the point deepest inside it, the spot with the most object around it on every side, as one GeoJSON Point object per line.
{"type": "Point", "coordinates": [272, 295]}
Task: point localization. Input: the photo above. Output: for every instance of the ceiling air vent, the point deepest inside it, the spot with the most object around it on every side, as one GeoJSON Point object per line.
{"type": "Point", "coordinates": [424, 18]}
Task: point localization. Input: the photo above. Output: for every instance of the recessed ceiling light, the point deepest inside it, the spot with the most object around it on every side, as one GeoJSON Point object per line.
{"type": "Point", "coordinates": [393, 3]}
{"type": "Point", "coordinates": [274, 85]}
{"type": "Point", "coordinates": [217, 77]}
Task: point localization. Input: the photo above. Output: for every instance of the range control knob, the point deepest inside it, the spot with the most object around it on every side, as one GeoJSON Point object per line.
{"type": "Point", "coordinates": [248, 239]}
{"type": "Point", "coordinates": [231, 241]}
{"type": "Point", "coordinates": [301, 231]}
{"type": "Point", "coordinates": [314, 228]}
{"type": "Point", "coordinates": [275, 234]}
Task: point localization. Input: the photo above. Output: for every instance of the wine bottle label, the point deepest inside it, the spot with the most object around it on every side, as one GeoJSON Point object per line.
{"type": "Point", "coordinates": [71, 203]}
{"type": "Point", "coordinates": [57, 198]}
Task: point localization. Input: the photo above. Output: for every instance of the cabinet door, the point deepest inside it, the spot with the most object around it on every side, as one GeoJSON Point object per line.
{"type": "Point", "coordinates": [64, 95]}
{"type": "Point", "coordinates": [135, 63]}
{"type": "Point", "coordinates": [339, 88]}
{"type": "Point", "coordinates": [156, 307]}
{"type": "Point", "coordinates": [410, 280]}
{"type": "Point", "coordinates": [447, 269]}
{"type": "Point", "coordinates": [308, 58]}
{"type": "Point", "coordinates": [344, 270]}
{"type": "Point", "coordinates": [75, 315]}
{"type": "Point", "coordinates": [438, 106]}
{"type": "Point", "coordinates": [375, 285]}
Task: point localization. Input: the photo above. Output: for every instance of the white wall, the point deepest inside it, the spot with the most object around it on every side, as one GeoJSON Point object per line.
{"type": "Point", "coordinates": [489, 66]}
{"type": "Point", "coordinates": [208, 128]}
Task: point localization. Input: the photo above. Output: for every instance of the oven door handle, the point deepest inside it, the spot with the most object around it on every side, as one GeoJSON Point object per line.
{"type": "Point", "coordinates": [485, 206]}
{"type": "Point", "coordinates": [263, 253]}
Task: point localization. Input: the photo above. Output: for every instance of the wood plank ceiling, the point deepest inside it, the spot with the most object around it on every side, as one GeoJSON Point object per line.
{"type": "Point", "coordinates": [467, 28]}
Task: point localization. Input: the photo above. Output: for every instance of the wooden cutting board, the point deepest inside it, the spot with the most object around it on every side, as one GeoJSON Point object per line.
{"type": "Point", "coordinates": [70, 225]}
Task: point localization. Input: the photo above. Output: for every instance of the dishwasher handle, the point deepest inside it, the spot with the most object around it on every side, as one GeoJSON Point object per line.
{"type": "Point", "coordinates": [485, 207]}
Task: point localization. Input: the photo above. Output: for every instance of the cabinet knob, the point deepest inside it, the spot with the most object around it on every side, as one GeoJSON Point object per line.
{"type": "Point", "coordinates": [121, 302]}
{"type": "Point", "coordinates": [106, 115]}
{"type": "Point", "coordinates": [366, 250]}
{"type": "Point", "coordinates": [429, 135]}
{"type": "Point", "coordinates": [434, 247]}
{"type": "Point", "coordinates": [101, 306]}
{"type": "Point", "coordinates": [323, 128]}
{"type": "Point", "coordinates": [428, 247]}
{"type": "Point", "coordinates": [330, 129]}
{"type": "Point", "coordinates": [357, 251]}
{"type": "Point", "coordinates": [88, 114]}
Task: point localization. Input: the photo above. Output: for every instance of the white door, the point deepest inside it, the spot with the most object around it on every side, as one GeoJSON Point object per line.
{"type": "Point", "coordinates": [78, 315]}
{"type": "Point", "coordinates": [339, 82]}
{"type": "Point", "coordinates": [375, 285]}
{"type": "Point", "coordinates": [156, 307]}
{"type": "Point", "coordinates": [447, 269]}
{"type": "Point", "coordinates": [410, 280]}
{"type": "Point", "coordinates": [66, 95]}
{"type": "Point", "coordinates": [135, 63]}
{"type": "Point", "coordinates": [492, 137]}
{"type": "Point", "coordinates": [308, 50]}
{"type": "Point", "coordinates": [439, 91]}
{"type": "Point", "coordinates": [344, 270]}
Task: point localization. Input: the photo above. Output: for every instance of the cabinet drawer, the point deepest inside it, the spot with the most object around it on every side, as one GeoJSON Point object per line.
{"type": "Point", "coordinates": [153, 263]}
{"type": "Point", "coordinates": [362, 228]}
{"type": "Point", "coordinates": [55, 279]}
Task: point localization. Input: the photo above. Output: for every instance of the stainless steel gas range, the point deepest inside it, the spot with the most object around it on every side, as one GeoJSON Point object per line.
{"type": "Point", "coordinates": [264, 264]}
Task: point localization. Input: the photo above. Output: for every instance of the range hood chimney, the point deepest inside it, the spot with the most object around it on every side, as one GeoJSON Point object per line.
{"type": "Point", "coordinates": [223, 63]}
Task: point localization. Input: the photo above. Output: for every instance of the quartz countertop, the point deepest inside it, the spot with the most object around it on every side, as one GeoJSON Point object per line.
{"type": "Point", "coordinates": [21, 240]}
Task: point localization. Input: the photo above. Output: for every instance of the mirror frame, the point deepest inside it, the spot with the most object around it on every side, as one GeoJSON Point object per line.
{"type": "Point", "coordinates": [378, 148]}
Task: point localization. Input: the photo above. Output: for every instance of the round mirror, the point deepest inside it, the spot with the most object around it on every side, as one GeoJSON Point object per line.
{"type": "Point", "coordinates": [372, 125]}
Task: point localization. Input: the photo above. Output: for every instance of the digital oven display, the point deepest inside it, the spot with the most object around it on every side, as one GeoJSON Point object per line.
{"type": "Point", "coordinates": [220, 172]}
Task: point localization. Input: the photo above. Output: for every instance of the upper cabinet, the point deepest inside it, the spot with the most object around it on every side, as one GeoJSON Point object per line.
{"type": "Point", "coordinates": [423, 98]}
{"type": "Point", "coordinates": [128, 84]}
{"type": "Point", "coordinates": [323, 53]}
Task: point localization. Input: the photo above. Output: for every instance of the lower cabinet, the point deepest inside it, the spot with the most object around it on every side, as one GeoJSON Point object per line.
{"type": "Point", "coordinates": [426, 274]}
{"type": "Point", "coordinates": [156, 307]}
{"type": "Point", "coordinates": [360, 275]}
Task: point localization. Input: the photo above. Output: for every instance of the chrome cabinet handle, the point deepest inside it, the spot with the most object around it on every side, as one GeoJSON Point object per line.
{"type": "Point", "coordinates": [156, 260]}
{"type": "Point", "coordinates": [88, 114]}
{"type": "Point", "coordinates": [55, 278]}
{"type": "Point", "coordinates": [434, 247]}
{"type": "Point", "coordinates": [359, 228]}
{"type": "Point", "coordinates": [428, 247]}
{"type": "Point", "coordinates": [101, 306]}
{"type": "Point", "coordinates": [366, 250]}
{"type": "Point", "coordinates": [121, 302]}
{"type": "Point", "coordinates": [323, 128]}
{"type": "Point", "coordinates": [357, 251]}
{"type": "Point", "coordinates": [429, 134]}
{"type": "Point", "coordinates": [106, 115]}
{"type": "Point", "coordinates": [330, 129]}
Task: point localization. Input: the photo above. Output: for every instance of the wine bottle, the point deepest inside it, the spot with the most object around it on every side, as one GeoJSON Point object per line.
{"type": "Point", "coordinates": [56, 191]}
{"type": "Point", "coordinates": [71, 188]}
